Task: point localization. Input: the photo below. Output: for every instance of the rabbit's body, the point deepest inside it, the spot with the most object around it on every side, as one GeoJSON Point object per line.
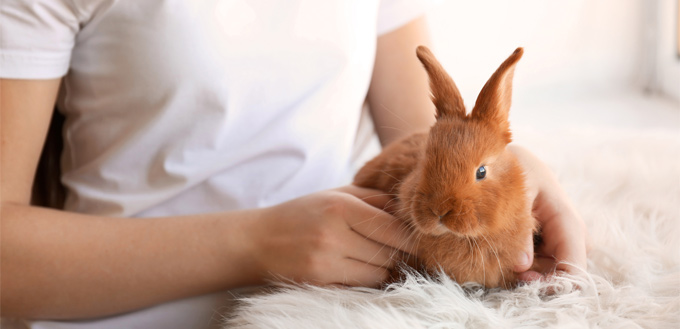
{"type": "Point", "coordinates": [487, 259]}
{"type": "Point", "coordinates": [457, 186]}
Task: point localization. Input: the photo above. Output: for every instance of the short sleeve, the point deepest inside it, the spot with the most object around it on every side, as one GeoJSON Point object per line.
{"type": "Point", "coordinates": [393, 14]}
{"type": "Point", "coordinates": [36, 38]}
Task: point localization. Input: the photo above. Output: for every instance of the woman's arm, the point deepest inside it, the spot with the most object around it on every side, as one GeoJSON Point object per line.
{"type": "Point", "coordinates": [399, 95]}
{"type": "Point", "coordinates": [63, 265]}
{"type": "Point", "coordinates": [58, 264]}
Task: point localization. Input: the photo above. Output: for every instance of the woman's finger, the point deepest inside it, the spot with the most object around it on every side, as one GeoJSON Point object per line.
{"type": "Point", "coordinates": [542, 266]}
{"type": "Point", "coordinates": [525, 257]}
{"type": "Point", "coordinates": [564, 239]}
{"type": "Point", "coordinates": [359, 274]}
{"type": "Point", "coordinates": [529, 276]}
{"type": "Point", "coordinates": [362, 249]}
{"type": "Point", "coordinates": [379, 226]}
{"type": "Point", "coordinates": [375, 198]}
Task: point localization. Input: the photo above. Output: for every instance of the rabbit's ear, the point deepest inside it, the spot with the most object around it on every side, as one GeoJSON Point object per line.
{"type": "Point", "coordinates": [445, 94]}
{"type": "Point", "coordinates": [493, 102]}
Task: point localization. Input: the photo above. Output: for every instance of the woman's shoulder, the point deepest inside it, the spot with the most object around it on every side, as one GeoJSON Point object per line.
{"type": "Point", "coordinates": [38, 35]}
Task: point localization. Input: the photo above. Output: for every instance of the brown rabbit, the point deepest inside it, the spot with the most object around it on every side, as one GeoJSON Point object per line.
{"type": "Point", "coordinates": [457, 186]}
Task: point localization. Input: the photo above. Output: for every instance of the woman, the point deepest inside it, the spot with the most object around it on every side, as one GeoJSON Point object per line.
{"type": "Point", "coordinates": [204, 143]}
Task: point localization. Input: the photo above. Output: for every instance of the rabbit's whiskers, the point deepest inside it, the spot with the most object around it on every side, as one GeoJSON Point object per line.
{"type": "Point", "coordinates": [495, 252]}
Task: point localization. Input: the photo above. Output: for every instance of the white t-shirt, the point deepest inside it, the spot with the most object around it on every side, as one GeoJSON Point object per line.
{"type": "Point", "coordinates": [178, 107]}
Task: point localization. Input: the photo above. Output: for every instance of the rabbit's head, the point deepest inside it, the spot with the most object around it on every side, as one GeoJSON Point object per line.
{"type": "Point", "coordinates": [467, 183]}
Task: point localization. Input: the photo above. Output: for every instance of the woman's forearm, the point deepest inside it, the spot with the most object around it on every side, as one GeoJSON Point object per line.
{"type": "Point", "coordinates": [60, 265]}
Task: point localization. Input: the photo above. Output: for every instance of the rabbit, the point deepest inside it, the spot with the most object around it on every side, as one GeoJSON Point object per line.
{"type": "Point", "coordinates": [457, 187]}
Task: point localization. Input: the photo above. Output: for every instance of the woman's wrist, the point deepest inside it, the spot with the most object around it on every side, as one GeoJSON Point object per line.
{"type": "Point", "coordinates": [236, 241]}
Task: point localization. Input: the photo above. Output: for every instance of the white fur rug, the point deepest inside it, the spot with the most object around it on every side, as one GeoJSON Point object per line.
{"type": "Point", "coordinates": [627, 188]}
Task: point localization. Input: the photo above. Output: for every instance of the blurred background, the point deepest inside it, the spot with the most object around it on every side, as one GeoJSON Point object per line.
{"type": "Point", "coordinates": [611, 64]}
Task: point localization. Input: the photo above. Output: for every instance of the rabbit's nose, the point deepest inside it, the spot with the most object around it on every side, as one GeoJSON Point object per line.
{"type": "Point", "coordinates": [440, 213]}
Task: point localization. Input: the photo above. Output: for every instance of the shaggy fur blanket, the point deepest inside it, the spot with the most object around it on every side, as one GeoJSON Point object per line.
{"type": "Point", "coordinates": [627, 188]}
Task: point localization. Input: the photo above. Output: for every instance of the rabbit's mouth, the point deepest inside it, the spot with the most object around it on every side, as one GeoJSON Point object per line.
{"type": "Point", "coordinates": [463, 225]}
{"type": "Point", "coordinates": [437, 229]}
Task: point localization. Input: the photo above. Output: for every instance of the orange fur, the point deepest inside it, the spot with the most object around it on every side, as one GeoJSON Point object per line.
{"type": "Point", "coordinates": [470, 229]}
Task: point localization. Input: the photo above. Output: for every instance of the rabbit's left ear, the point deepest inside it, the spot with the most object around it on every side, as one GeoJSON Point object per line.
{"type": "Point", "coordinates": [493, 102]}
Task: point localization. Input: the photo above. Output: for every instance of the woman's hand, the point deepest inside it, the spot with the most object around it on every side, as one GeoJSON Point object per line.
{"type": "Point", "coordinates": [339, 236]}
{"type": "Point", "coordinates": [563, 232]}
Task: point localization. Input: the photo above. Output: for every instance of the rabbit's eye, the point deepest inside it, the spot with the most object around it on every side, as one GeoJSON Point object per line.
{"type": "Point", "coordinates": [481, 172]}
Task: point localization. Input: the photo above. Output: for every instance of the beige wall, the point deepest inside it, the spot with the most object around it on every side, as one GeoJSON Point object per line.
{"type": "Point", "coordinates": [667, 59]}
{"type": "Point", "coordinates": [571, 47]}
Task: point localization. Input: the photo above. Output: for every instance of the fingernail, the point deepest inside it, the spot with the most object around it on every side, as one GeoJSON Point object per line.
{"type": "Point", "coordinates": [523, 258]}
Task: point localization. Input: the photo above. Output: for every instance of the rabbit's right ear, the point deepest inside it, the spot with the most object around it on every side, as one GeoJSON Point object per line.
{"type": "Point", "coordinates": [493, 102]}
{"type": "Point", "coordinates": [445, 94]}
